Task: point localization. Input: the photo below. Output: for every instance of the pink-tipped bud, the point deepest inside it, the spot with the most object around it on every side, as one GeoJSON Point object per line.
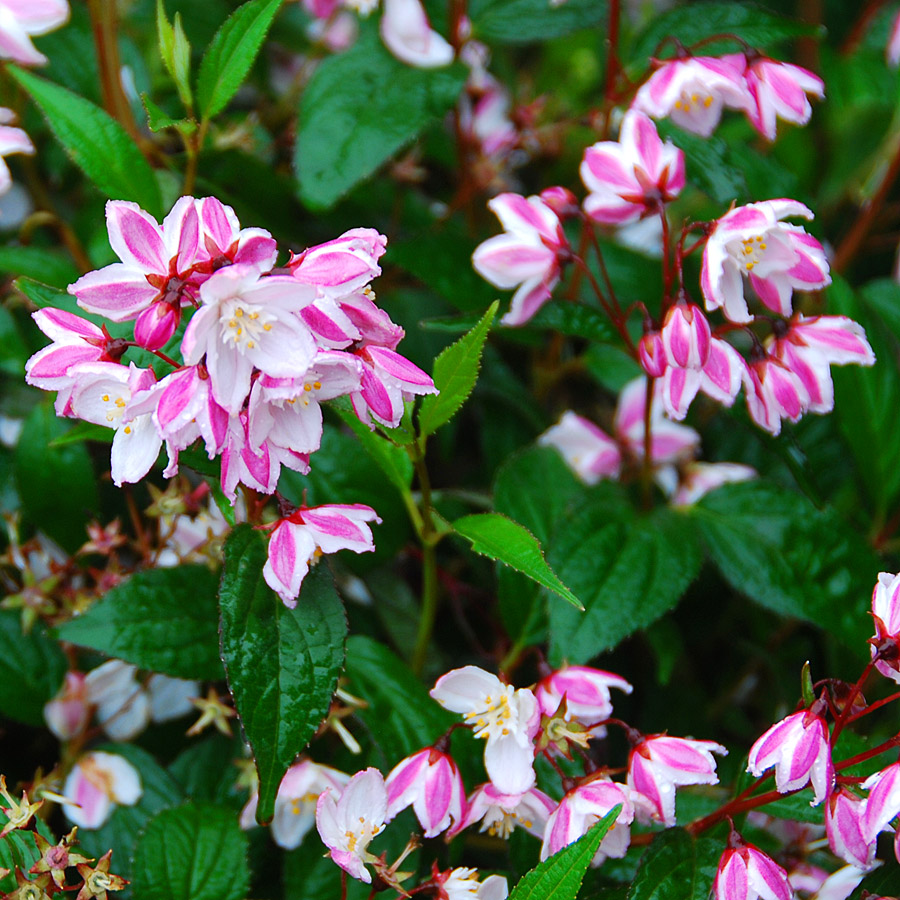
{"type": "Point", "coordinates": [68, 713]}
{"type": "Point", "coordinates": [844, 825]}
{"type": "Point", "coordinates": [686, 336]}
{"type": "Point", "coordinates": [561, 200]}
{"type": "Point", "coordinates": [652, 354]}
{"type": "Point", "coordinates": [746, 873]}
{"type": "Point", "coordinates": [156, 325]}
{"type": "Point", "coordinates": [430, 782]}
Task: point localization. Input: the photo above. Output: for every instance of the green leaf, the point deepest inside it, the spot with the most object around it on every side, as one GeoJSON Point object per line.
{"type": "Point", "coordinates": [42, 469]}
{"type": "Point", "coordinates": [195, 851]}
{"type": "Point", "coordinates": [43, 295]}
{"type": "Point", "coordinates": [162, 620]}
{"type": "Point", "coordinates": [755, 25]}
{"type": "Point", "coordinates": [42, 262]}
{"type": "Point", "coordinates": [206, 769]}
{"type": "Point", "coordinates": [455, 374]}
{"type": "Point", "coordinates": [97, 144]}
{"type": "Point", "coordinates": [121, 831]}
{"type": "Point", "coordinates": [394, 461]}
{"type": "Point", "coordinates": [32, 668]}
{"type": "Point", "coordinates": [774, 546]}
{"type": "Point", "coordinates": [575, 319]}
{"type": "Point", "coordinates": [158, 120]}
{"type": "Point", "coordinates": [498, 537]}
{"type": "Point", "coordinates": [360, 108]}
{"type": "Point", "coordinates": [559, 877]}
{"type": "Point", "coordinates": [525, 21]}
{"type": "Point", "coordinates": [83, 431]}
{"type": "Point", "coordinates": [379, 677]}
{"type": "Point", "coordinates": [282, 663]}
{"type": "Point", "coordinates": [175, 50]}
{"type": "Point", "coordinates": [230, 56]}
{"type": "Point", "coordinates": [676, 867]}
{"type": "Point", "coordinates": [882, 884]}
{"type": "Point", "coordinates": [13, 349]}
{"type": "Point", "coordinates": [628, 569]}
{"type": "Point", "coordinates": [707, 163]}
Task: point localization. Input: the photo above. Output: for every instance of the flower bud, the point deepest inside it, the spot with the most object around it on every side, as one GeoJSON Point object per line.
{"type": "Point", "coordinates": [156, 325]}
{"type": "Point", "coordinates": [652, 354]}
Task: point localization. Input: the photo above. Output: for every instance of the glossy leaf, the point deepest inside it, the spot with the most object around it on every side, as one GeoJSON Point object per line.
{"type": "Point", "coordinates": [526, 21]}
{"type": "Point", "coordinates": [559, 876]}
{"type": "Point", "coordinates": [628, 569]}
{"type": "Point", "coordinates": [676, 867]}
{"type": "Point", "coordinates": [230, 56]}
{"type": "Point", "coordinates": [498, 537]}
{"type": "Point", "coordinates": [196, 851]}
{"type": "Point", "coordinates": [282, 664]}
{"type": "Point", "coordinates": [96, 142]}
{"type": "Point", "coordinates": [455, 373]}
{"type": "Point", "coordinates": [32, 668]}
{"type": "Point", "coordinates": [162, 620]}
{"type": "Point", "coordinates": [360, 108]}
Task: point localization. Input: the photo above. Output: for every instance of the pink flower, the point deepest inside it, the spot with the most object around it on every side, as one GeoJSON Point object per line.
{"type": "Point", "coordinates": [587, 449]}
{"type": "Point", "coordinates": [527, 256]}
{"type": "Point", "coordinates": [348, 824]}
{"type": "Point", "coordinates": [631, 177]}
{"type": "Point", "coordinates": [407, 33]}
{"type": "Point", "coordinates": [777, 258]}
{"type": "Point", "coordinates": [12, 140]}
{"type": "Point", "coordinates": [746, 873]}
{"type": "Point", "coordinates": [308, 533]}
{"type": "Point", "coordinates": [96, 785]}
{"type": "Point", "coordinates": [719, 378]}
{"type": "Point", "coordinates": [223, 241]}
{"type": "Point", "coordinates": [343, 265]}
{"type": "Point", "coordinates": [699, 478]}
{"type": "Point", "coordinates": [799, 749]}
{"type": "Point", "coordinates": [886, 613]}
{"type": "Point", "coordinates": [773, 393]}
{"type": "Point", "coordinates": [581, 808]}
{"type": "Point", "coordinates": [844, 824]}
{"type": "Point", "coordinates": [462, 884]}
{"type": "Point", "coordinates": [20, 20]}
{"type": "Point", "coordinates": [778, 90]}
{"type": "Point", "coordinates": [501, 813]}
{"type": "Point", "coordinates": [295, 804]}
{"type": "Point", "coordinates": [809, 346]}
{"type": "Point", "coordinates": [657, 763]}
{"type": "Point", "coordinates": [586, 691]}
{"type": "Point", "coordinates": [883, 802]}
{"type": "Point", "coordinates": [686, 336]}
{"type": "Point", "coordinates": [505, 718]}
{"type": "Point", "coordinates": [693, 91]}
{"type": "Point", "coordinates": [388, 379]}
{"type": "Point", "coordinates": [68, 713]}
{"type": "Point", "coordinates": [430, 782]}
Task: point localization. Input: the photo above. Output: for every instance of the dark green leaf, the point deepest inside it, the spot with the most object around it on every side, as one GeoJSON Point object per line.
{"type": "Point", "coordinates": [882, 884]}
{"type": "Point", "coordinates": [162, 620]}
{"type": "Point", "coordinates": [755, 25]}
{"type": "Point", "coordinates": [677, 867]}
{"type": "Point", "coordinates": [575, 319]}
{"type": "Point", "coordinates": [628, 569]}
{"type": "Point", "coordinates": [360, 108]}
{"type": "Point", "coordinates": [524, 21]}
{"type": "Point", "coordinates": [379, 677]}
{"type": "Point", "coordinates": [559, 877]}
{"type": "Point", "coordinates": [455, 373]}
{"type": "Point", "coordinates": [498, 537]}
{"type": "Point", "coordinates": [160, 791]}
{"type": "Point", "coordinates": [282, 663]}
{"type": "Point", "coordinates": [42, 469]}
{"type": "Point", "coordinates": [13, 350]}
{"type": "Point", "coordinates": [230, 56]}
{"type": "Point", "coordinates": [774, 546]}
{"type": "Point", "coordinates": [707, 164]}
{"type": "Point", "coordinates": [32, 668]}
{"type": "Point", "coordinates": [84, 431]}
{"type": "Point", "coordinates": [38, 262]}
{"type": "Point", "coordinates": [95, 142]}
{"type": "Point", "coordinates": [196, 851]}
{"type": "Point", "coordinates": [206, 769]}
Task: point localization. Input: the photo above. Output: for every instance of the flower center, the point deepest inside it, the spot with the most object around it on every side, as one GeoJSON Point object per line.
{"type": "Point", "coordinates": [243, 324]}
{"type": "Point", "coordinates": [494, 717]}
{"type": "Point", "coordinates": [751, 252]}
{"type": "Point", "coordinates": [687, 102]}
{"type": "Point", "coordinates": [114, 406]}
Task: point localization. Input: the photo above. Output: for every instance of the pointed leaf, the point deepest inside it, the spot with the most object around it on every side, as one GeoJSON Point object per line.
{"type": "Point", "coordinates": [163, 620]}
{"type": "Point", "coordinates": [676, 867]}
{"type": "Point", "coordinates": [455, 374]}
{"type": "Point", "coordinates": [559, 877]}
{"type": "Point", "coordinates": [497, 537]}
{"type": "Point", "coordinates": [230, 56]}
{"type": "Point", "coordinates": [96, 142]}
{"type": "Point", "coordinates": [282, 663]}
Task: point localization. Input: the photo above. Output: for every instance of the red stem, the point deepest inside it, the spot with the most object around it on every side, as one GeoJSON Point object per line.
{"type": "Point", "coordinates": [844, 717]}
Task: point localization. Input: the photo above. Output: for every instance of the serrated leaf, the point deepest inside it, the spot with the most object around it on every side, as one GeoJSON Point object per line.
{"type": "Point", "coordinates": [282, 664]}
{"type": "Point", "coordinates": [758, 27]}
{"type": "Point", "coordinates": [162, 620]}
{"type": "Point", "coordinates": [524, 21]}
{"type": "Point", "coordinates": [195, 851]}
{"type": "Point", "coordinates": [498, 537]}
{"type": "Point", "coordinates": [379, 677]}
{"type": "Point", "coordinates": [157, 120]}
{"type": "Point", "coordinates": [628, 570]}
{"type": "Point", "coordinates": [230, 56]}
{"type": "Point", "coordinates": [360, 108]}
{"type": "Point", "coordinates": [676, 867]}
{"type": "Point", "coordinates": [559, 876]}
{"type": "Point", "coordinates": [32, 668]}
{"type": "Point", "coordinates": [455, 373]}
{"type": "Point", "coordinates": [96, 142]}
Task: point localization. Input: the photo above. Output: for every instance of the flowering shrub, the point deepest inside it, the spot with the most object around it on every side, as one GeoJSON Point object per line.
{"type": "Point", "coordinates": [604, 624]}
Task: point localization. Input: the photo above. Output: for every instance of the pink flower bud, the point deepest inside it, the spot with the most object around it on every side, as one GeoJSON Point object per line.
{"type": "Point", "coordinates": [746, 873]}
{"type": "Point", "coordinates": [156, 324]}
{"type": "Point", "coordinates": [886, 613]}
{"type": "Point", "coordinates": [68, 713]}
{"type": "Point", "coordinates": [561, 200]}
{"type": "Point", "coordinates": [652, 354]}
{"type": "Point", "coordinates": [686, 336]}
{"type": "Point", "coordinates": [844, 825]}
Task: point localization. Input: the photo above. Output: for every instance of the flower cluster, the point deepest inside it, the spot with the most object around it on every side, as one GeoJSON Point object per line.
{"type": "Point", "coordinates": [262, 347]}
